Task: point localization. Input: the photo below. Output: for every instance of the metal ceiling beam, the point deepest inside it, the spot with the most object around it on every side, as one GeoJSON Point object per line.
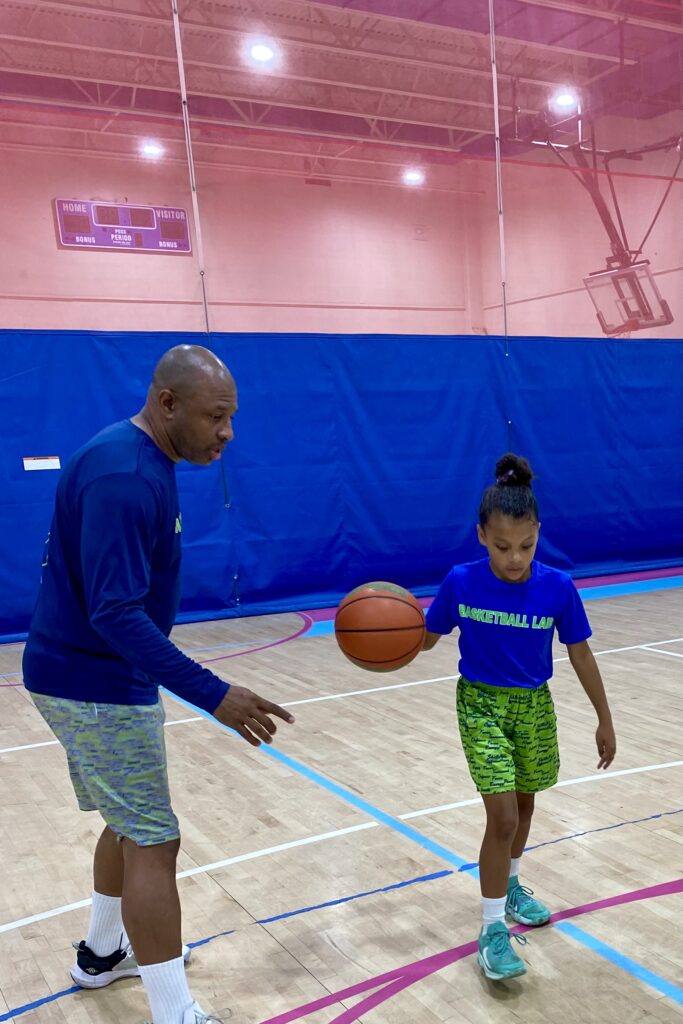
{"type": "Point", "coordinates": [445, 32]}
{"type": "Point", "coordinates": [89, 67]}
{"type": "Point", "coordinates": [383, 57]}
{"type": "Point", "coordinates": [452, 95]}
{"type": "Point", "coordinates": [201, 142]}
{"type": "Point", "coordinates": [596, 12]}
{"type": "Point", "coordinates": [234, 123]}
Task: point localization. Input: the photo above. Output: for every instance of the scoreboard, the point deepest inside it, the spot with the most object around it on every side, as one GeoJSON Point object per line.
{"type": "Point", "coordinates": [82, 224]}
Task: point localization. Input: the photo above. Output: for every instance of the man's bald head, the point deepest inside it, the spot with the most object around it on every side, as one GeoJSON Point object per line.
{"type": "Point", "coordinates": [185, 369]}
{"type": "Point", "coordinates": [190, 405]}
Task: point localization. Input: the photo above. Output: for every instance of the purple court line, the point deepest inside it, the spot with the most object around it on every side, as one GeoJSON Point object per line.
{"type": "Point", "coordinates": [629, 577]}
{"type": "Point", "coordinates": [308, 622]}
{"type": "Point", "coordinates": [400, 978]}
{"type": "Point", "coordinates": [325, 614]}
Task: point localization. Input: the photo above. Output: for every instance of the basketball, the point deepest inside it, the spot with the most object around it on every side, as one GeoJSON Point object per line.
{"type": "Point", "coordinates": [380, 626]}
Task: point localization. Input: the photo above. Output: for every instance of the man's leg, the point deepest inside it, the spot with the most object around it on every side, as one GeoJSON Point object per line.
{"type": "Point", "coordinates": [151, 911]}
{"type": "Point", "coordinates": [106, 933]}
{"type": "Point", "coordinates": [108, 866]}
{"type": "Point", "coordinates": [151, 906]}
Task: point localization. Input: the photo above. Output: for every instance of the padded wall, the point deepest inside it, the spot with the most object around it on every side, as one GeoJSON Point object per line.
{"type": "Point", "coordinates": [361, 457]}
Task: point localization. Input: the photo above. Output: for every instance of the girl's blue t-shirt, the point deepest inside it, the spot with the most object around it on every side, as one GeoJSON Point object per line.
{"type": "Point", "coordinates": [506, 629]}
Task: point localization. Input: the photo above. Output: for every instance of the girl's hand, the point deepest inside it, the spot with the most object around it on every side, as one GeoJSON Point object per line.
{"type": "Point", "coordinates": [606, 743]}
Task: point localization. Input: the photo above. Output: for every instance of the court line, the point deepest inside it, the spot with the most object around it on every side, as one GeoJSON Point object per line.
{"type": "Point", "coordinates": [400, 978]}
{"type": "Point", "coordinates": [338, 833]}
{"type": "Point", "coordinates": [189, 651]}
{"type": "Point", "coordinates": [587, 832]}
{"type": "Point", "coordinates": [308, 622]}
{"type": "Point", "coordinates": [634, 587]}
{"type": "Point", "coordinates": [30, 746]}
{"type": "Point", "coordinates": [558, 785]}
{"type": "Point", "coordinates": [380, 817]}
{"type": "Point", "coordinates": [55, 743]}
{"type": "Point", "coordinates": [666, 988]}
{"type": "Point", "coordinates": [325, 627]}
{"type": "Point", "coordinates": [653, 645]}
{"type": "Point", "coordinates": [363, 805]}
{"type": "Point", "coordinates": [344, 794]}
{"type": "Point", "coordinates": [372, 689]}
{"type": "Point", "coordinates": [669, 654]}
{"type": "Point", "coordinates": [321, 837]}
{"type": "Point", "coordinates": [19, 1010]}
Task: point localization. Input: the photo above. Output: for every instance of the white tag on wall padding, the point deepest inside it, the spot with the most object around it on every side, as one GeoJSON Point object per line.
{"type": "Point", "coordinates": [32, 462]}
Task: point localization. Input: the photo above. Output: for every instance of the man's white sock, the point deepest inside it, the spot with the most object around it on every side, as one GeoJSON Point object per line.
{"type": "Point", "coordinates": [167, 990]}
{"type": "Point", "coordinates": [106, 933]}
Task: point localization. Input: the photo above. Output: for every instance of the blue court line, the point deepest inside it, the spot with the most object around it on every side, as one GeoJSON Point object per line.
{"type": "Point", "coordinates": [344, 794]}
{"type": "Point", "coordinates": [605, 828]}
{"type": "Point", "coordinates": [587, 832]}
{"type": "Point", "coordinates": [17, 1011]}
{"type": "Point", "coordinates": [357, 896]}
{"type": "Point", "coordinates": [636, 587]}
{"type": "Point", "coordinates": [667, 988]}
{"type": "Point", "coordinates": [325, 627]}
{"type": "Point", "coordinates": [362, 805]}
{"type": "Point", "coordinates": [332, 903]}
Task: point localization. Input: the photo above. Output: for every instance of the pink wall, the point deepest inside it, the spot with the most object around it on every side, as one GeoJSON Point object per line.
{"type": "Point", "coordinates": [280, 255]}
{"type": "Point", "coordinates": [285, 256]}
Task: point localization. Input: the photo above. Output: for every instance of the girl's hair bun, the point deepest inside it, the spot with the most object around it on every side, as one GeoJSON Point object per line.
{"type": "Point", "coordinates": [513, 471]}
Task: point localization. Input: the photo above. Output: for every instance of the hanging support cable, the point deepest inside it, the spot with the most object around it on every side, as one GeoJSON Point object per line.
{"type": "Point", "coordinates": [190, 160]}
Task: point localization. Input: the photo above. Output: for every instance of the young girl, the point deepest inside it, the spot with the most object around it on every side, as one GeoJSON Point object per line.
{"type": "Point", "coordinates": [507, 607]}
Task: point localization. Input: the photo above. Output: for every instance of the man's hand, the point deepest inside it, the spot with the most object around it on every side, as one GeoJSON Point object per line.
{"type": "Point", "coordinates": [606, 743]}
{"type": "Point", "coordinates": [248, 714]}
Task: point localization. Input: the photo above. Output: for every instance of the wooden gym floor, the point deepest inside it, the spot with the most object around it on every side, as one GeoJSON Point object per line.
{"type": "Point", "coordinates": [328, 880]}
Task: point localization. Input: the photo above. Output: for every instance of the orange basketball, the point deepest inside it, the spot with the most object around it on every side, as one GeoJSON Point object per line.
{"type": "Point", "coordinates": [380, 626]}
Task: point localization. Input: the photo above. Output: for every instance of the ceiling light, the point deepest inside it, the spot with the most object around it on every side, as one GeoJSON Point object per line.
{"type": "Point", "coordinates": [263, 53]}
{"type": "Point", "coordinates": [152, 149]}
{"type": "Point", "coordinates": [414, 176]}
{"type": "Point", "coordinates": [565, 99]}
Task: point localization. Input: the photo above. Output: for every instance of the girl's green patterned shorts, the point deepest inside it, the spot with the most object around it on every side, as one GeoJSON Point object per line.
{"type": "Point", "coordinates": [509, 736]}
{"type": "Point", "coordinates": [117, 761]}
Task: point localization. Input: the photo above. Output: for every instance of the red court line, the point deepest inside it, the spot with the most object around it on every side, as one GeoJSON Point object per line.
{"type": "Point", "coordinates": [392, 982]}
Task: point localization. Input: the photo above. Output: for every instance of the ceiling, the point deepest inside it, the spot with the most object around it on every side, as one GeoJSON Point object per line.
{"type": "Point", "coordinates": [362, 88]}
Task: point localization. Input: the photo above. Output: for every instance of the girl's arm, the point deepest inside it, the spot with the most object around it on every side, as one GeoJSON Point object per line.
{"type": "Point", "coordinates": [430, 640]}
{"type": "Point", "coordinates": [586, 668]}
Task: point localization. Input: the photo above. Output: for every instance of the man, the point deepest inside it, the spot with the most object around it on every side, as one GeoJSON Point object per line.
{"type": "Point", "coordinates": [98, 649]}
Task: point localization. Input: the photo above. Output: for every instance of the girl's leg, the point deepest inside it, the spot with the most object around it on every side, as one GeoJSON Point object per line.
{"type": "Point", "coordinates": [495, 955]}
{"type": "Point", "coordinates": [502, 824]}
{"type": "Point", "coordinates": [521, 905]}
{"type": "Point", "coordinates": [525, 811]}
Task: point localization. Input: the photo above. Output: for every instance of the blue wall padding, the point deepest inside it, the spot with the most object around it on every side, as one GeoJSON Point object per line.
{"type": "Point", "coordinates": [361, 457]}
